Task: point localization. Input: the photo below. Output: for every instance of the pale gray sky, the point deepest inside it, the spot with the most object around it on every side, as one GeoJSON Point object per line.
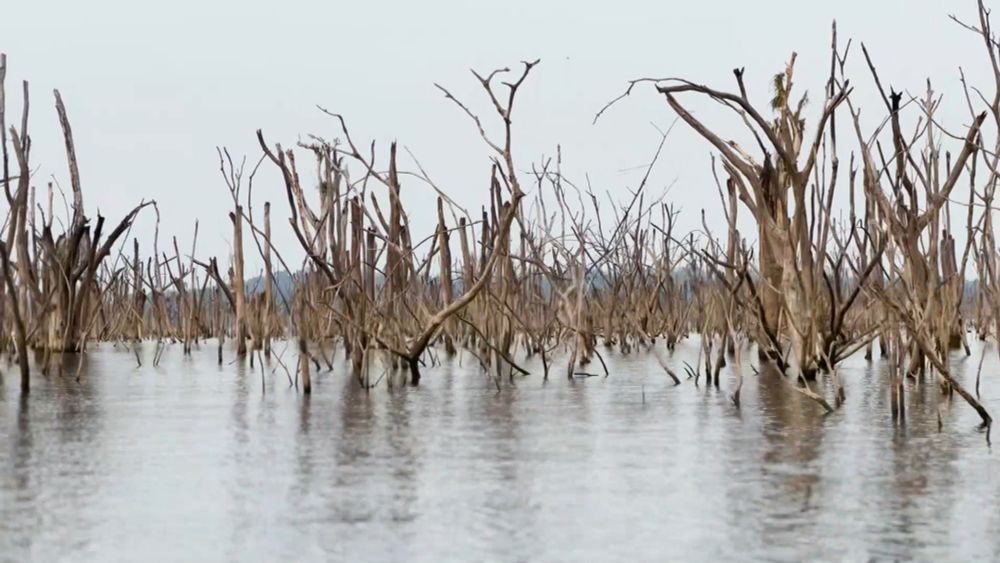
{"type": "Point", "coordinates": [152, 87]}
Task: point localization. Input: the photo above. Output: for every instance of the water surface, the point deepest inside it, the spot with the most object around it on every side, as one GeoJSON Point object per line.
{"type": "Point", "coordinates": [193, 461]}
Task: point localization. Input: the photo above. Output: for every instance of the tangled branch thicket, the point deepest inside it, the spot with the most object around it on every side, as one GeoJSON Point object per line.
{"type": "Point", "coordinates": [547, 271]}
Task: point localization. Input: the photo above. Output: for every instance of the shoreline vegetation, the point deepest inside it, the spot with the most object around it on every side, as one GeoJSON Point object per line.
{"type": "Point", "coordinates": [549, 269]}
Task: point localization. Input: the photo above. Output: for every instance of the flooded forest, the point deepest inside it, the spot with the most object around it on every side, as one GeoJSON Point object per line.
{"type": "Point", "coordinates": [788, 324]}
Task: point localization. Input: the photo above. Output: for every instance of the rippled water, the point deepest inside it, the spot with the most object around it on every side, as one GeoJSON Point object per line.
{"type": "Point", "coordinates": [192, 461]}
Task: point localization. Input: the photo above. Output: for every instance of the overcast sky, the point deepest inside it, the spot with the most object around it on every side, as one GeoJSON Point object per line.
{"type": "Point", "coordinates": [153, 87]}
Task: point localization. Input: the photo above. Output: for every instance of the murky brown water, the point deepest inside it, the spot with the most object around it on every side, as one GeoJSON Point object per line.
{"type": "Point", "coordinates": [190, 461]}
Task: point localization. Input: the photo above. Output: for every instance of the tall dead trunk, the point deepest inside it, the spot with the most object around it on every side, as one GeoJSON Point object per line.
{"type": "Point", "coordinates": [268, 311]}
{"type": "Point", "coordinates": [444, 257]}
{"type": "Point", "coordinates": [239, 285]}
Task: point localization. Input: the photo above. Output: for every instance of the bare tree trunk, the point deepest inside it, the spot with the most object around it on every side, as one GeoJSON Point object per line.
{"type": "Point", "coordinates": [268, 283]}
{"type": "Point", "coordinates": [239, 286]}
